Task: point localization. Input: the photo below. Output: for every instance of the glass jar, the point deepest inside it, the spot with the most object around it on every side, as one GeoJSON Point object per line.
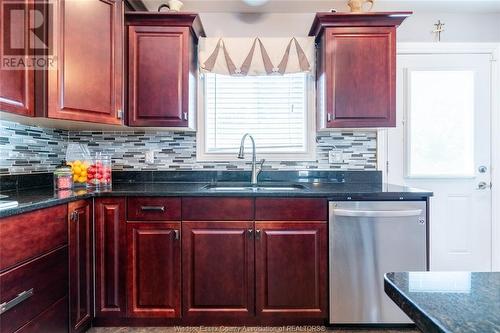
{"type": "Point", "coordinates": [99, 172]}
{"type": "Point", "coordinates": [63, 177]}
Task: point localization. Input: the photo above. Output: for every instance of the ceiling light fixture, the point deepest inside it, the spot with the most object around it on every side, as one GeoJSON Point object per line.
{"type": "Point", "coordinates": [255, 3]}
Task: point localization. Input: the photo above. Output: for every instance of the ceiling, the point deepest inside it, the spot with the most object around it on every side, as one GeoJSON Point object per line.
{"type": "Point", "coordinates": [309, 6]}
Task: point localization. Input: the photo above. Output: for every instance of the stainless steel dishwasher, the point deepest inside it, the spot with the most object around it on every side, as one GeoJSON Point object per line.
{"type": "Point", "coordinates": [366, 240]}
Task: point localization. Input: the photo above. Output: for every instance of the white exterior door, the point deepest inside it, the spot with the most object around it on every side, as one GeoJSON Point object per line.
{"type": "Point", "coordinates": [442, 143]}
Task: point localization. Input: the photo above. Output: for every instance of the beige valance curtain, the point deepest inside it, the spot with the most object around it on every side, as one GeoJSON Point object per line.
{"type": "Point", "coordinates": [256, 56]}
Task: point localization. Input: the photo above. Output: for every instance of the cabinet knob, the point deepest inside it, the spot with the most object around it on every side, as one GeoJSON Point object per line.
{"type": "Point", "coordinates": [257, 234]}
{"type": "Point", "coordinates": [74, 216]}
{"type": "Point", "coordinates": [176, 234]}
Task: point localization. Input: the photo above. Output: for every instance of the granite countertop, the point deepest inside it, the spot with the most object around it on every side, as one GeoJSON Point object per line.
{"type": "Point", "coordinates": [35, 191]}
{"type": "Point", "coordinates": [31, 199]}
{"type": "Point", "coordinates": [448, 301]}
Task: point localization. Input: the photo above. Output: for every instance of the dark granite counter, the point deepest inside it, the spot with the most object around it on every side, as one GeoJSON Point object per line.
{"type": "Point", "coordinates": [329, 185]}
{"type": "Point", "coordinates": [448, 301]}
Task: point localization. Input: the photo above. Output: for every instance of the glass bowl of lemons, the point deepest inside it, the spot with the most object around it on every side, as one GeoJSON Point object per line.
{"type": "Point", "coordinates": [79, 171]}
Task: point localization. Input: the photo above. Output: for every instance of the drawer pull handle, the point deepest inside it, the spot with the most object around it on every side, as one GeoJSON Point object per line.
{"type": "Point", "coordinates": [15, 301]}
{"type": "Point", "coordinates": [153, 208]}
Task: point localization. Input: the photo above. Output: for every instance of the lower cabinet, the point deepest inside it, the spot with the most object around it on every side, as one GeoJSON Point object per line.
{"type": "Point", "coordinates": [110, 257]}
{"type": "Point", "coordinates": [153, 269]}
{"type": "Point", "coordinates": [80, 264]}
{"type": "Point", "coordinates": [218, 269]}
{"type": "Point", "coordinates": [52, 320]}
{"type": "Point", "coordinates": [34, 271]}
{"type": "Point", "coordinates": [218, 261]}
{"type": "Point", "coordinates": [290, 269]}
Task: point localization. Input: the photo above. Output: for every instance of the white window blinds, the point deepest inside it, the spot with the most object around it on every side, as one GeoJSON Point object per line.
{"type": "Point", "coordinates": [271, 108]}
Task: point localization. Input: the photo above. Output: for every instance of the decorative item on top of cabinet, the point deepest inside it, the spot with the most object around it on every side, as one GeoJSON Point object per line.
{"type": "Point", "coordinates": [80, 264]}
{"type": "Point", "coordinates": [162, 68]}
{"type": "Point", "coordinates": [110, 258]}
{"type": "Point", "coordinates": [356, 69]}
{"type": "Point", "coordinates": [358, 6]}
{"type": "Point", "coordinates": [87, 83]}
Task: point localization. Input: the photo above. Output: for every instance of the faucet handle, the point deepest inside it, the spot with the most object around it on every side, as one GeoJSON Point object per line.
{"type": "Point", "coordinates": [261, 162]}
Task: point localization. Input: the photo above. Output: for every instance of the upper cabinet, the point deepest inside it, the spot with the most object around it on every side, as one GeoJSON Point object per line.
{"type": "Point", "coordinates": [356, 69]}
{"type": "Point", "coordinates": [87, 82]}
{"type": "Point", "coordinates": [162, 68]}
{"type": "Point", "coordinates": [17, 85]}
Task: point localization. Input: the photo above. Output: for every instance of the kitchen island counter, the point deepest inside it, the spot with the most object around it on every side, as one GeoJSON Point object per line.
{"type": "Point", "coordinates": [448, 301]}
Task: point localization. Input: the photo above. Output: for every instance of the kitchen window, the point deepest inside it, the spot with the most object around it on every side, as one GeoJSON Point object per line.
{"type": "Point", "coordinates": [274, 109]}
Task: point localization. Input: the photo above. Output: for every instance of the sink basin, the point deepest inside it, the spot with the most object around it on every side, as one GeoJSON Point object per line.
{"type": "Point", "coordinates": [249, 188]}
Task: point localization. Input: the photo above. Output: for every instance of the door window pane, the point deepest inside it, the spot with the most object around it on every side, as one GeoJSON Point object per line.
{"type": "Point", "coordinates": [441, 123]}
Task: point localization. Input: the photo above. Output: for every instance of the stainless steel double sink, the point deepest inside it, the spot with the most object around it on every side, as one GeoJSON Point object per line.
{"type": "Point", "coordinates": [264, 187]}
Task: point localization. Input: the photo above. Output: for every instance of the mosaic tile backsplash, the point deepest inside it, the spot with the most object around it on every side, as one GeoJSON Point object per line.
{"type": "Point", "coordinates": [28, 149]}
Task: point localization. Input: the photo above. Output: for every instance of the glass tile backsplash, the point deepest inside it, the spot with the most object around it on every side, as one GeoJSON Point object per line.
{"type": "Point", "coordinates": [30, 149]}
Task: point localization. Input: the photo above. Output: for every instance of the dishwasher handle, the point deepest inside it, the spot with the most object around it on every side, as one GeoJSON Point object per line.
{"type": "Point", "coordinates": [377, 213]}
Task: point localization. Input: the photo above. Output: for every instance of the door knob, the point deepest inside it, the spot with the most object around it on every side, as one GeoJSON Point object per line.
{"type": "Point", "coordinates": [482, 186]}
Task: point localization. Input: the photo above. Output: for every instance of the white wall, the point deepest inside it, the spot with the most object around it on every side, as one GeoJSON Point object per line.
{"type": "Point", "coordinates": [460, 27]}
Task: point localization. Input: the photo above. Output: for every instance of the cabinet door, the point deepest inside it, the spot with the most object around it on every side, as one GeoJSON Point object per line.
{"type": "Point", "coordinates": [17, 86]}
{"type": "Point", "coordinates": [154, 270]}
{"type": "Point", "coordinates": [218, 269]}
{"type": "Point", "coordinates": [360, 66]}
{"type": "Point", "coordinates": [87, 84]}
{"type": "Point", "coordinates": [80, 264]}
{"type": "Point", "coordinates": [110, 242]}
{"type": "Point", "coordinates": [290, 264]}
{"type": "Point", "coordinates": [158, 76]}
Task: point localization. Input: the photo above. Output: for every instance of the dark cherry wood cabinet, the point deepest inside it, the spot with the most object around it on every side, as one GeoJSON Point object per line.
{"type": "Point", "coordinates": [87, 84]}
{"type": "Point", "coordinates": [153, 269]}
{"type": "Point", "coordinates": [218, 269]}
{"type": "Point", "coordinates": [43, 280]}
{"type": "Point", "coordinates": [356, 69]}
{"type": "Point", "coordinates": [153, 209]}
{"type": "Point", "coordinates": [17, 85]}
{"type": "Point", "coordinates": [110, 257]}
{"type": "Point", "coordinates": [291, 269]}
{"type": "Point", "coordinates": [34, 271]}
{"type": "Point", "coordinates": [32, 234]}
{"type": "Point", "coordinates": [52, 320]}
{"type": "Point", "coordinates": [162, 68]}
{"type": "Point", "coordinates": [80, 217]}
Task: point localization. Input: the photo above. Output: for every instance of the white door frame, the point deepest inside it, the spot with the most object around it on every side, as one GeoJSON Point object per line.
{"type": "Point", "coordinates": [493, 49]}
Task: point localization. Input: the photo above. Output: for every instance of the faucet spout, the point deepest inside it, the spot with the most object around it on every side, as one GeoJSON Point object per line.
{"type": "Point", "coordinates": [241, 155]}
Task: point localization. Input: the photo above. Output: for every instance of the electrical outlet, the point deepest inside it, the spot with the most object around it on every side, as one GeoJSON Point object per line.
{"type": "Point", "coordinates": [150, 157]}
{"type": "Point", "coordinates": [335, 156]}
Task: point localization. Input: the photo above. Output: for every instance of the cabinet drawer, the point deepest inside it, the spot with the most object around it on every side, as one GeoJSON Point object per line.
{"type": "Point", "coordinates": [218, 209]}
{"type": "Point", "coordinates": [291, 209]}
{"type": "Point", "coordinates": [154, 209]}
{"type": "Point", "coordinates": [32, 234]}
{"type": "Point", "coordinates": [52, 320]}
{"type": "Point", "coordinates": [46, 276]}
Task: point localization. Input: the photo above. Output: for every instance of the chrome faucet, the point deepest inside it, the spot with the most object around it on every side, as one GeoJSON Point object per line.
{"type": "Point", "coordinates": [241, 155]}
